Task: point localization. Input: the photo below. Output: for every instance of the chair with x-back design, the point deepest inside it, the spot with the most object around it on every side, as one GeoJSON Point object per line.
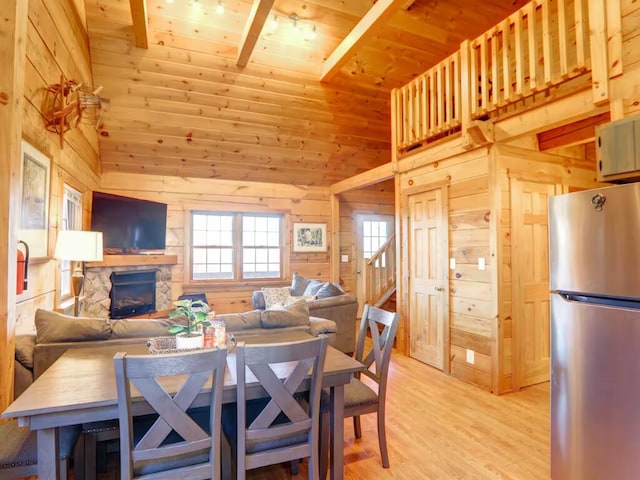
{"type": "Point", "coordinates": [359, 398]}
{"type": "Point", "coordinates": [179, 442]}
{"type": "Point", "coordinates": [283, 426]}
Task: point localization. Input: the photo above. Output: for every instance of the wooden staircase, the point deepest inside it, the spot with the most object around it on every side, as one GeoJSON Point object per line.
{"type": "Point", "coordinates": [380, 276]}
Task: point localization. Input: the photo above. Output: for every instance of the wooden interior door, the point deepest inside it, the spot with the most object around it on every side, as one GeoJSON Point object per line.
{"type": "Point", "coordinates": [530, 276]}
{"type": "Point", "coordinates": [428, 286]}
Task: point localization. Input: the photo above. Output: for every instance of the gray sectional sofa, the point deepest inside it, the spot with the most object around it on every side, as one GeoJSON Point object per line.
{"type": "Point", "coordinates": [325, 300]}
{"type": "Point", "coordinates": [56, 333]}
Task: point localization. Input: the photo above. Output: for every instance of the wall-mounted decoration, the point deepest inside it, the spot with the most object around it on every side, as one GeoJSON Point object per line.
{"type": "Point", "coordinates": [35, 174]}
{"type": "Point", "coordinates": [68, 102]}
{"type": "Point", "coordinates": [309, 237]}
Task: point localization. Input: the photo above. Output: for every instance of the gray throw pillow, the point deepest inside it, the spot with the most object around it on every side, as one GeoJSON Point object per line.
{"type": "Point", "coordinates": [142, 328]}
{"type": "Point", "coordinates": [235, 322]}
{"type": "Point", "coordinates": [54, 327]}
{"type": "Point", "coordinates": [24, 350]}
{"type": "Point", "coordinates": [329, 289]}
{"type": "Point", "coordinates": [312, 288]}
{"type": "Point", "coordinates": [292, 315]}
{"type": "Point", "coordinates": [298, 285]}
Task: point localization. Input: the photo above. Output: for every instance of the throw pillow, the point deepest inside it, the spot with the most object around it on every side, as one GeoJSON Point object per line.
{"type": "Point", "coordinates": [54, 327]}
{"type": "Point", "coordinates": [312, 287]}
{"type": "Point", "coordinates": [24, 350]}
{"type": "Point", "coordinates": [240, 321]}
{"type": "Point", "coordinates": [329, 289]}
{"type": "Point", "coordinates": [298, 285]}
{"type": "Point", "coordinates": [275, 297]}
{"type": "Point", "coordinates": [307, 298]}
{"type": "Point", "coordinates": [296, 314]}
{"type": "Point", "coordinates": [142, 328]}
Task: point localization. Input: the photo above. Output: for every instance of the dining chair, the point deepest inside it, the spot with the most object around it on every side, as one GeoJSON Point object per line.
{"type": "Point", "coordinates": [177, 443]}
{"type": "Point", "coordinates": [19, 450]}
{"type": "Point", "coordinates": [283, 425]}
{"type": "Point", "coordinates": [360, 398]}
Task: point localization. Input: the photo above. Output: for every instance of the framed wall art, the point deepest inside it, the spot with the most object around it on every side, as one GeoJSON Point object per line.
{"type": "Point", "coordinates": [35, 176]}
{"type": "Point", "coordinates": [309, 237]}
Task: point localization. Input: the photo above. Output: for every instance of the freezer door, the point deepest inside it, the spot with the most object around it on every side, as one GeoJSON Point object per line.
{"type": "Point", "coordinates": [595, 391]}
{"type": "Point", "coordinates": [594, 241]}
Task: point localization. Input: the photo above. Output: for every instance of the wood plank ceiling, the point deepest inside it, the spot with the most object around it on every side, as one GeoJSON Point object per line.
{"type": "Point", "coordinates": [184, 107]}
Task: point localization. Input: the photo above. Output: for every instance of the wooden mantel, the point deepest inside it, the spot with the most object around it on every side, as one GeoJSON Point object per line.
{"type": "Point", "coordinates": [129, 260]}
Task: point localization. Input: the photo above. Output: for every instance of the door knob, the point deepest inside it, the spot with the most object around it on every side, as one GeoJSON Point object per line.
{"type": "Point", "coordinates": [438, 289]}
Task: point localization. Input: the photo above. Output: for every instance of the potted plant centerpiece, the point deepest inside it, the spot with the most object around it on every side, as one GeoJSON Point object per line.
{"type": "Point", "coordinates": [190, 335]}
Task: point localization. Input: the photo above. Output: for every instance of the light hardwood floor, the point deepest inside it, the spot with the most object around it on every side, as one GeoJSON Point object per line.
{"type": "Point", "coordinates": [441, 428]}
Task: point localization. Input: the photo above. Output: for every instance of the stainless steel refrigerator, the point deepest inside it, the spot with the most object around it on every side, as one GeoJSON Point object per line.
{"type": "Point", "coordinates": [594, 259]}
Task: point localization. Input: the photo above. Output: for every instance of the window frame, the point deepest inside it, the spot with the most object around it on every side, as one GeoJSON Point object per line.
{"type": "Point", "coordinates": [237, 248]}
{"type": "Point", "coordinates": [74, 196]}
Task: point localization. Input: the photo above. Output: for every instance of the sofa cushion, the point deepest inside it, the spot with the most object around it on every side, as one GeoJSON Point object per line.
{"type": "Point", "coordinates": [55, 327]}
{"type": "Point", "coordinates": [142, 328]}
{"type": "Point", "coordinates": [329, 289]}
{"type": "Point", "coordinates": [298, 285]}
{"type": "Point", "coordinates": [24, 350]}
{"type": "Point", "coordinates": [308, 298]}
{"type": "Point", "coordinates": [235, 322]}
{"type": "Point", "coordinates": [321, 325]}
{"type": "Point", "coordinates": [276, 297]}
{"type": "Point", "coordinates": [312, 287]}
{"type": "Point", "coordinates": [296, 314]}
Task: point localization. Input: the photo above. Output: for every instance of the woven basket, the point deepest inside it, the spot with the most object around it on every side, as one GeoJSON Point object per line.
{"type": "Point", "coordinates": [158, 345]}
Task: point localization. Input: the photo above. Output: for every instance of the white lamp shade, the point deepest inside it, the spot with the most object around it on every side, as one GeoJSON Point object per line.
{"type": "Point", "coordinates": [79, 246]}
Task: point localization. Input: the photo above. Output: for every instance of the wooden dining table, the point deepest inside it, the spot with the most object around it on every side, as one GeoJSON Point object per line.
{"type": "Point", "coordinates": [80, 387]}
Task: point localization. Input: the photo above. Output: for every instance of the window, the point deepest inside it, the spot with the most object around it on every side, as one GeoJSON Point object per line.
{"type": "Point", "coordinates": [374, 235]}
{"type": "Point", "coordinates": [235, 246]}
{"type": "Point", "coordinates": [71, 220]}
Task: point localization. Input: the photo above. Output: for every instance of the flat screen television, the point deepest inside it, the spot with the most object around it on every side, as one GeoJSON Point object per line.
{"type": "Point", "coordinates": [129, 225]}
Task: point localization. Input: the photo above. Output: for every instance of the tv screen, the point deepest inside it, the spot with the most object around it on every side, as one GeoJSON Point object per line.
{"type": "Point", "coordinates": [129, 224]}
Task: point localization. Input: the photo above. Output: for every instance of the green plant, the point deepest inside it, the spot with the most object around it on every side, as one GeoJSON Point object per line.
{"type": "Point", "coordinates": [195, 311]}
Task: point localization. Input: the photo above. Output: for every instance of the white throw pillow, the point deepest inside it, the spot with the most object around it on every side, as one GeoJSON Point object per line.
{"type": "Point", "coordinates": [276, 297]}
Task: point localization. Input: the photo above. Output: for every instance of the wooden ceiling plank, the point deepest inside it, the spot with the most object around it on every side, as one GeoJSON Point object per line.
{"type": "Point", "coordinates": [140, 26]}
{"type": "Point", "coordinates": [258, 15]}
{"type": "Point", "coordinates": [374, 18]}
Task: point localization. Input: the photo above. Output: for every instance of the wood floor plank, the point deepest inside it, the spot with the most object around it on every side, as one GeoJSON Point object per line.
{"type": "Point", "coordinates": [441, 428]}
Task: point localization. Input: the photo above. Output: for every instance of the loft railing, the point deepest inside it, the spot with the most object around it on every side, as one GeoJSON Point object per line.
{"type": "Point", "coordinates": [429, 105]}
{"type": "Point", "coordinates": [543, 45]}
{"type": "Point", "coordinates": [380, 273]}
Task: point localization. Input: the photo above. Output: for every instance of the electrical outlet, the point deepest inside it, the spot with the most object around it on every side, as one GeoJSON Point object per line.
{"type": "Point", "coordinates": [471, 356]}
{"type": "Point", "coordinates": [452, 264]}
{"type": "Point", "coordinates": [482, 265]}
{"type": "Point", "coordinates": [344, 258]}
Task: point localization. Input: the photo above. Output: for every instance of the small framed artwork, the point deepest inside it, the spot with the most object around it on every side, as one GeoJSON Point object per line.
{"type": "Point", "coordinates": [35, 173]}
{"type": "Point", "coordinates": [309, 237]}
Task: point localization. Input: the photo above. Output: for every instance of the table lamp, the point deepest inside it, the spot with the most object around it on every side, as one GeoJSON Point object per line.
{"type": "Point", "coordinates": [78, 246]}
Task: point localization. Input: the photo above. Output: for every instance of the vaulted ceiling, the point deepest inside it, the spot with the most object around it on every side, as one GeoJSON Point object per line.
{"type": "Point", "coordinates": [296, 113]}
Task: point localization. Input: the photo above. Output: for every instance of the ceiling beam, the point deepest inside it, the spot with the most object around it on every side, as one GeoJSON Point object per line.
{"type": "Point", "coordinates": [375, 17]}
{"type": "Point", "coordinates": [140, 27]}
{"type": "Point", "coordinates": [258, 15]}
{"type": "Point", "coordinates": [576, 133]}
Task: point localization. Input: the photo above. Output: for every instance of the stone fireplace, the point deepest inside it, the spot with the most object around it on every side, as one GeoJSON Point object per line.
{"type": "Point", "coordinates": [132, 293]}
{"type": "Point", "coordinates": [98, 285]}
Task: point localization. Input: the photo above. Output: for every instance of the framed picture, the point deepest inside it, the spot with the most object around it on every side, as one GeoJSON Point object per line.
{"type": "Point", "coordinates": [35, 174]}
{"type": "Point", "coordinates": [309, 237]}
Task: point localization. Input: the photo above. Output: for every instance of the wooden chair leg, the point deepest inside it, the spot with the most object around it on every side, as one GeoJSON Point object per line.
{"type": "Point", "coordinates": [382, 440]}
{"type": "Point", "coordinates": [325, 432]}
{"type": "Point", "coordinates": [225, 457]}
{"type": "Point", "coordinates": [357, 430]}
{"type": "Point", "coordinates": [79, 460]}
{"type": "Point", "coordinates": [295, 466]}
{"type": "Point", "coordinates": [90, 452]}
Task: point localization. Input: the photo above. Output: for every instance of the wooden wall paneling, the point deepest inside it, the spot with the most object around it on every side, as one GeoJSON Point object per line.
{"type": "Point", "coordinates": [13, 31]}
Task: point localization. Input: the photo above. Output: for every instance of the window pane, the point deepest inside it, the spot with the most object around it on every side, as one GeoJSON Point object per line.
{"type": "Point", "coordinates": [213, 241]}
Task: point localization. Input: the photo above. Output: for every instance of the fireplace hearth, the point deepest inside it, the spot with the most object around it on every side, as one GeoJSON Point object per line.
{"type": "Point", "coordinates": [132, 293]}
